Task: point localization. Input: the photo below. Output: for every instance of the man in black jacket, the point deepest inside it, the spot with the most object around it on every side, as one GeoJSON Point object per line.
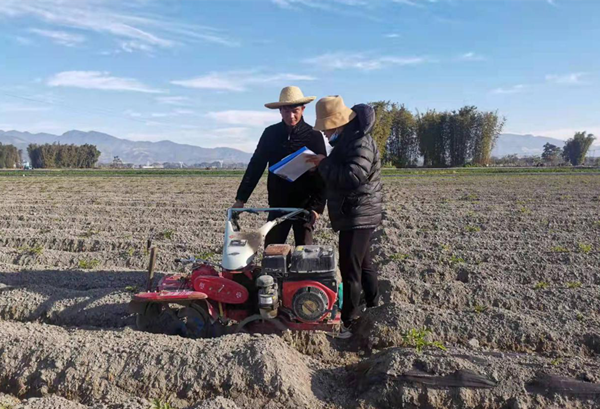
{"type": "Point", "coordinates": [276, 142]}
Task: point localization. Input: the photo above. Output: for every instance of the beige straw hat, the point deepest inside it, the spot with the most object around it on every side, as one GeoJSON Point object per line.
{"type": "Point", "coordinates": [332, 113]}
{"type": "Point", "coordinates": [290, 96]}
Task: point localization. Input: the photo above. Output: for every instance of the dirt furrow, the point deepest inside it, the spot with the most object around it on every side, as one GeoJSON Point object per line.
{"type": "Point", "coordinates": [113, 367]}
{"type": "Point", "coordinates": [503, 270]}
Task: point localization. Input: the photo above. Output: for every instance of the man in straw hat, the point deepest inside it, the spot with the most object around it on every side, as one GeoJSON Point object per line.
{"type": "Point", "coordinates": [352, 175]}
{"type": "Point", "coordinates": [276, 142]}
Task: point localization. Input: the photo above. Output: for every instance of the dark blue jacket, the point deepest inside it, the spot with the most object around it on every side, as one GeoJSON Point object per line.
{"type": "Point", "coordinates": [352, 175]}
{"type": "Point", "coordinates": [275, 144]}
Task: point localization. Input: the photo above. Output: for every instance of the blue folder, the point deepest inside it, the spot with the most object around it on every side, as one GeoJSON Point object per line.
{"type": "Point", "coordinates": [285, 160]}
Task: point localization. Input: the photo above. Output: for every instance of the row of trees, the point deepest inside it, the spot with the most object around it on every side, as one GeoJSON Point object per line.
{"type": "Point", "coordinates": [450, 138]}
{"type": "Point", "coordinates": [535, 161]}
{"type": "Point", "coordinates": [577, 147]}
{"type": "Point", "coordinates": [573, 152]}
{"type": "Point", "coordinates": [10, 156]}
{"type": "Point", "coordinates": [63, 156]}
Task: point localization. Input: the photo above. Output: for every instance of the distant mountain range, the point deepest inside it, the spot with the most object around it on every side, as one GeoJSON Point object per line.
{"type": "Point", "coordinates": [523, 145]}
{"type": "Point", "coordinates": [135, 152]}
{"type": "Point", "coordinates": [166, 151]}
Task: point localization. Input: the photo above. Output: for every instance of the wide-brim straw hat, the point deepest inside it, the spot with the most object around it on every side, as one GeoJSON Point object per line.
{"type": "Point", "coordinates": [332, 113]}
{"type": "Point", "coordinates": [290, 96]}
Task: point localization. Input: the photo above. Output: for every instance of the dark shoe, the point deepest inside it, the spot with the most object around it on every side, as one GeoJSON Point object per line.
{"type": "Point", "coordinates": [375, 303]}
{"type": "Point", "coordinates": [344, 333]}
{"type": "Point", "coordinates": [347, 328]}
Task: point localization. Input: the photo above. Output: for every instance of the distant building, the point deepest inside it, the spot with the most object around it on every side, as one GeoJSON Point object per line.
{"type": "Point", "coordinates": [155, 165]}
{"type": "Point", "coordinates": [117, 163]}
{"type": "Point", "coordinates": [174, 165]}
{"type": "Point", "coordinates": [233, 165]}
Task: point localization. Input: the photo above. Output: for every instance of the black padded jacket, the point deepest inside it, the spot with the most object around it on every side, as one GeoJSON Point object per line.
{"type": "Point", "coordinates": [352, 175]}
{"type": "Point", "coordinates": [276, 143]}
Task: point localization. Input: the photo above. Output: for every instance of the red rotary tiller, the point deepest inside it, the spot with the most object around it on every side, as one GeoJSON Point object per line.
{"type": "Point", "coordinates": [293, 288]}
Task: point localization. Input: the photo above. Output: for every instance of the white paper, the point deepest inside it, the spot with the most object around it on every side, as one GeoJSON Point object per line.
{"type": "Point", "coordinates": [292, 169]}
{"type": "Point", "coordinates": [328, 147]}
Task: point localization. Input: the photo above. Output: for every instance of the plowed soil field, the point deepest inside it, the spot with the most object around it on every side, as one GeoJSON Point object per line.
{"type": "Point", "coordinates": [491, 290]}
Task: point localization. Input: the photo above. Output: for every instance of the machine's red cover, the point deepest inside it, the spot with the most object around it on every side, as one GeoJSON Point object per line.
{"type": "Point", "coordinates": [165, 296]}
{"type": "Point", "coordinates": [221, 289]}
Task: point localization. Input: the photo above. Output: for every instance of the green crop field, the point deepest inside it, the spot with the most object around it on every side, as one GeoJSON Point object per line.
{"type": "Point", "coordinates": [388, 172]}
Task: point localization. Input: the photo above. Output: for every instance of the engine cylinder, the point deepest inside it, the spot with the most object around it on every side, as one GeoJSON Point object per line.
{"type": "Point", "coordinates": [268, 300]}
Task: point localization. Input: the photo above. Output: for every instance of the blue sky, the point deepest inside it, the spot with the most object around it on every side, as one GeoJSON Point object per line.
{"type": "Point", "coordinates": [199, 71]}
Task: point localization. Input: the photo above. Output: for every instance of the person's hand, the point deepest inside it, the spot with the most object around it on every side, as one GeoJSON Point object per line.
{"type": "Point", "coordinates": [238, 204]}
{"type": "Point", "coordinates": [315, 159]}
{"type": "Point", "coordinates": [314, 217]}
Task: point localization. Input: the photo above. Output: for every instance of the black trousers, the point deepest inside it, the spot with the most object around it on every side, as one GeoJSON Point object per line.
{"type": "Point", "coordinates": [302, 234]}
{"type": "Point", "coordinates": [358, 272]}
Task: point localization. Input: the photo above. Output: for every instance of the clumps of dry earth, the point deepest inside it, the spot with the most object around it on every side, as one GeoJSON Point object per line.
{"type": "Point", "coordinates": [491, 289]}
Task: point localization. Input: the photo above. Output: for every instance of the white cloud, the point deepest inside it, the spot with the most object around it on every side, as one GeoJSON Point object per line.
{"type": "Point", "coordinates": [23, 40]}
{"type": "Point", "coordinates": [60, 37]}
{"type": "Point", "coordinates": [214, 81]}
{"type": "Point", "coordinates": [133, 114]}
{"type": "Point", "coordinates": [354, 3]}
{"type": "Point", "coordinates": [319, 4]}
{"type": "Point", "coordinates": [516, 89]}
{"type": "Point", "coordinates": [132, 32]}
{"type": "Point", "coordinates": [286, 4]}
{"type": "Point", "coordinates": [471, 56]}
{"type": "Point", "coordinates": [183, 112]}
{"type": "Point", "coordinates": [22, 108]}
{"type": "Point", "coordinates": [238, 80]}
{"type": "Point", "coordinates": [351, 8]}
{"type": "Point", "coordinates": [567, 79]}
{"type": "Point", "coordinates": [241, 138]}
{"type": "Point", "coordinates": [175, 100]}
{"type": "Point", "coordinates": [153, 115]}
{"type": "Point", "coordinates": [98, 80]}
{"type": "Point", "coordinates": [345, 61]}
{"type": "Point", "coordinates": [414, 3]}
{"type": "Point", "coordinates": [392, 35]}
{"type": "Point", "coordinates": [171, 114]}
{"type": "Point", "coordinates": [329, 4]}
{"type": "Point", "coordinates": [246, 118]}
{"type": "Point", "coordinates": [133, 45]}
